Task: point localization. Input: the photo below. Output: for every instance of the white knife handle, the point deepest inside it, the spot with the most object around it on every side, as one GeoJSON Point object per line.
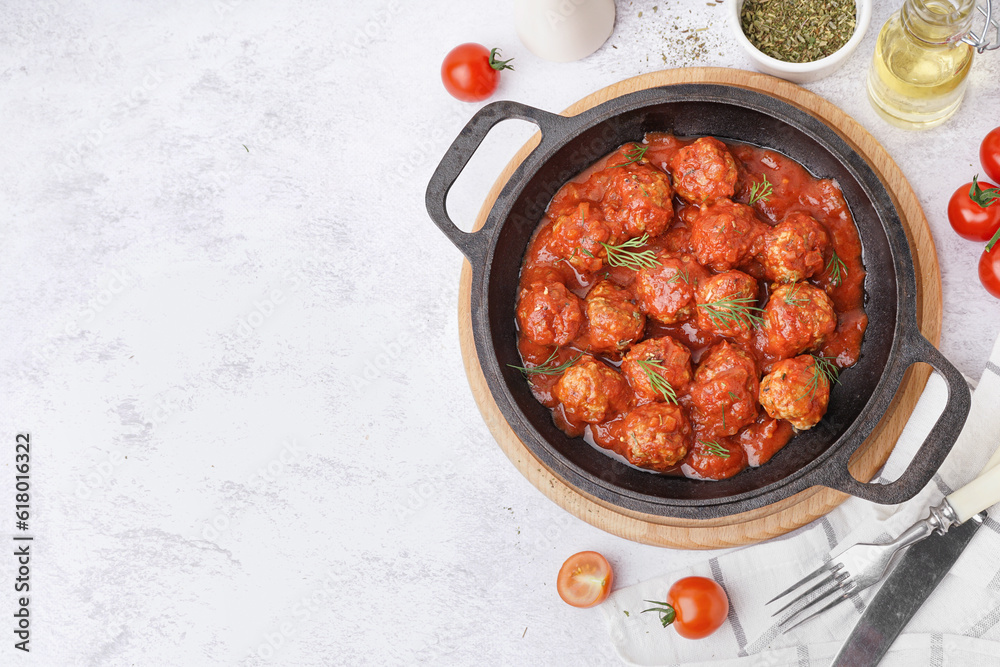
{"type": "Point", "coordinates": [977, 495]}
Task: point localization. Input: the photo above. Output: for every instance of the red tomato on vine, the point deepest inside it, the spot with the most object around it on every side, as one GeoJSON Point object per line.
{"type": "Point", "coordinates": [972, 212]}
{"type": "Point", "coordinates": [695, 606]}
{"type": "Point", "coordinates": [471, 72]}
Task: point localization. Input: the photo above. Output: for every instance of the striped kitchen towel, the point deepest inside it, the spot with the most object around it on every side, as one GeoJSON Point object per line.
{"type": "Point", "coordinates": [958, 625]}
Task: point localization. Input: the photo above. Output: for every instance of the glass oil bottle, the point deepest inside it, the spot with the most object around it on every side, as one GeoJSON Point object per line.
{"type": "Point", "coordinates": [921, 65]}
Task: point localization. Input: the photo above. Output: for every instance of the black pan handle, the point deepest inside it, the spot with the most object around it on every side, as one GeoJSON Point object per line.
{"type": "Point", "coordinates": [934, 449]}
{"type": "Point", "coordinates": [473, 245]}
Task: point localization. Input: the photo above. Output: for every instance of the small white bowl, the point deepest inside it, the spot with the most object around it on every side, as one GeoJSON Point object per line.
{"type": "Point", "coordinates": [802, 72]}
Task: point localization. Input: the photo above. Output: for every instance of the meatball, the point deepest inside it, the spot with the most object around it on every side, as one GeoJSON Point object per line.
{"type": "Point", "coordinates": [797, 318]}
{"type": "Point", "coordinates": [796, 390]}
{"type": "Point", "coordinates": [722, 357]}
{"type": "Point", "coordinates": [724, 391]}
{"type": "Point", "coordinates": [667, 292]}
{"type": "Point", "coordinates": [549, 314]}
{"type": "Point", "coordinates": [727, 304]}
{"type": "Point", "coordinates": [793, 250]}
{"type": "Point", "coordinates": [704, 171]}
{"type": "Point", "coordinates": [663, 357]}
{"type": "Point", "coordinates": [723, 234]}
{"type": "Point", "coordinates": [677, 240]}
{"type": "Point", "coordinates": [614, 322]}
{"type": "Point", "coordinates": [638, 198]}
{"type": "Point", "coordinates": [655, 435]}
{"type": "Point", "coordinates": [592, 392]}
{"type": "Point", "coordinates": [578, 235]}
{"type": "Point", "coordinates": [714, 459]}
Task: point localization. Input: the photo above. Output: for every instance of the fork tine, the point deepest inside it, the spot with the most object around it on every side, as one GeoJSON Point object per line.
{"type": "Point", "coordinates": [829, 565]}
{"type": "Point", "coordinates": [832, 577]}
{"type": "Point", "coordinates": [847, 593]}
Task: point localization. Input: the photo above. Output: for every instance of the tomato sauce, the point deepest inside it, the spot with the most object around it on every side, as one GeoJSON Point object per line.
{"type": "Point", "coordinates": [793, 189]}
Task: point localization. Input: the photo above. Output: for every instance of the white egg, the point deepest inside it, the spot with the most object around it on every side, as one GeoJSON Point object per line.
{"type": "Point", "coordinates": [564, 30]}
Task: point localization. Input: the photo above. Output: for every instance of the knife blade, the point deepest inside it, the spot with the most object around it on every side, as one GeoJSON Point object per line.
{"type": "Point", "coordinates": [919, 571]}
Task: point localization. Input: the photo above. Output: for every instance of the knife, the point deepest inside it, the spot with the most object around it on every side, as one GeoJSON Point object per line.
{"type": "Point", "coordinates": [920, 570]}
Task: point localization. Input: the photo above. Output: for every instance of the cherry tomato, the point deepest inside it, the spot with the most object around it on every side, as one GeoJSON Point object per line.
{"type": "Point", "coordinates": [969, 219]}
{"type": "Point", "coordinates": [585, 579]}
{"type": "Point", "coordinates": [989, 155]}
{"type": "Point", "coordinates": [471, 72]}
{"type": "Point", "coordinates": [989, 270]}
{"type": "Point", "coordinates": [695, 606]}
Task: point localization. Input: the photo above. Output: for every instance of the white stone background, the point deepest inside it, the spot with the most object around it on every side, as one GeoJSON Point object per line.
{"type": "Point", "coordinates": [140, 237]}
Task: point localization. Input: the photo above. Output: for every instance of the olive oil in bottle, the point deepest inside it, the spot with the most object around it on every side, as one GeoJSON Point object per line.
{"type": "Point", "coordinates": [920, 69]}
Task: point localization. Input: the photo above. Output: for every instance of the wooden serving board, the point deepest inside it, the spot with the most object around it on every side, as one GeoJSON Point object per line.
{"type": "Point", "coordinates": [800, 509]}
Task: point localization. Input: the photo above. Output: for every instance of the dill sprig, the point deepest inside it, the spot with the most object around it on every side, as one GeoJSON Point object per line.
{"type": "Point", "coordinates": [548, 366]}
{"type": "Point", "coordinates": [793, 298]}
{"type": "Point", "coordinates": [636, 153]}
{"type": "Point", "coordinates": [714, 448]}
{"type": "Point", "coordinates": [680, 275]}
{"type": "Point", "coordinates": [761, 191]}
{"type": "Point", "coordinates": [658, 382]}
{"type": "Point", "coordinates": [827, 367]}
{"type": "Point", "coordinates": [837, 269]}
{"type": "Point", "coordinates": [624, 254]}
{"type": "Point", "coordinates": [731, 313]}
{"type": "Point", "coordinates": [822, 367]}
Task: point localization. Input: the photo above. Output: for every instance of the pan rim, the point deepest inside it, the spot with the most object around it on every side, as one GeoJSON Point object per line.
{"type": "Point", "coordinates": [813, 128]}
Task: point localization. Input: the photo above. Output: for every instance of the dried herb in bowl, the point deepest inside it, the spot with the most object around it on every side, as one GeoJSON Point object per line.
{"type": "Point", "coordinates": [798, 31]}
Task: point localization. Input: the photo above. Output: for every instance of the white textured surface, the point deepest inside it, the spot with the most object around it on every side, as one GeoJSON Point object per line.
{"type": "Point", "coordinates": [140, 237]}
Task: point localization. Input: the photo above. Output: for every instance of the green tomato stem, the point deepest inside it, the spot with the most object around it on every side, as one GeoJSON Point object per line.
{"type": "Point", "coordinates": [664, 609]}
{"type": "Point", "coordinates": [499, 64]}
{"type": "Point", "coordinates": [983, 197]}
{"type": "Point", "coordinates": [993, 241]}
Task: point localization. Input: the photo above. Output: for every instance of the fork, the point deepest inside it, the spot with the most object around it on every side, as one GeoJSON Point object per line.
{"type": "Point", "coordinates": [863, 565]}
